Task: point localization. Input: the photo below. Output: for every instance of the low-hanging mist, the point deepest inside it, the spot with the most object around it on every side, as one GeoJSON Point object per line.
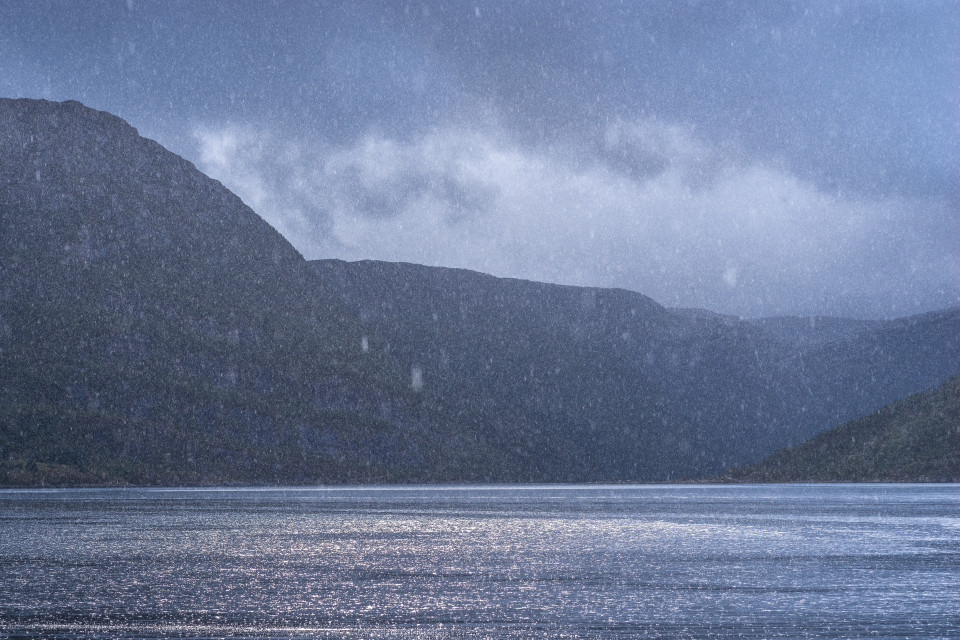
{"type": "Point", "coordinates": [653, 208]}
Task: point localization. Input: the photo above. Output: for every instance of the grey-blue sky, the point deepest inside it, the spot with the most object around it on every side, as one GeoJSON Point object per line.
{"type": "Point", "coordinates": [753, 158]}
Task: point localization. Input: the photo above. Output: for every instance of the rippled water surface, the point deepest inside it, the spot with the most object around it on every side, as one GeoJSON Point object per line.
{"type": "Point", "coordinates": [801, 561]}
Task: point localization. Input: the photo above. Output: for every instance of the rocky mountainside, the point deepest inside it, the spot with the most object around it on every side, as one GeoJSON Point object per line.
{"type": "Point", "coordinates": [155, 329]}
{"type": "Point", "coordinates": [578, 383]}
{"type": "Point", "coordinates": [916, 439]}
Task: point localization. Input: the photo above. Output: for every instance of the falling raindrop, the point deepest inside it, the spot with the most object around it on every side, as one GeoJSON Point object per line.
{"type": "Point", "coordinates": [416, 378]}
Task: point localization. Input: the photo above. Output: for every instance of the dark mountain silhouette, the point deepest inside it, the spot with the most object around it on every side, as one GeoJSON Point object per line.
{"type": "Point", "coordinates": [579, 383]}
{"type": "Point", "coordinates": [154, 329]}
{"type": "Point", "coordinates": [916, 439]}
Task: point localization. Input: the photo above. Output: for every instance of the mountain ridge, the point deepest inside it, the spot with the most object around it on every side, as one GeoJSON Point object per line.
{"type": "Point", "coordinates": [155, 330]}
{"type": "Point", "coordinates": [687, 389]}
{"type": "Point", "coordinates": [147, 311]}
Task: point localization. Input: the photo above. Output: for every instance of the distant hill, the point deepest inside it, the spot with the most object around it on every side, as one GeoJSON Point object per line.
{"type": "Point", "coordinates": [577, 383]}
{"type": "Point", "coordinates": [154, 329]}
{"type": "Point", "coordinates": [814, 331]}
{"type": "Point", "coordinates": [916, 439]}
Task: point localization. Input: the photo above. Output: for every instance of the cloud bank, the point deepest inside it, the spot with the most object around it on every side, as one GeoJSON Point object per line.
{"type": "Point", "coordinates": [654, 208]}
{"type": "Point", "coordinates": [752, 158]}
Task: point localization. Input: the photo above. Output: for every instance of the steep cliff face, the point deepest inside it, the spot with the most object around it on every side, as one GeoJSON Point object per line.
{"type": "Point", "coordinates": [154, 328]}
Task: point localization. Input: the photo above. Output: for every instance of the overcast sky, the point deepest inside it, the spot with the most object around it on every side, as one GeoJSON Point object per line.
{"type": "Point", "coordinates": [749, 158]}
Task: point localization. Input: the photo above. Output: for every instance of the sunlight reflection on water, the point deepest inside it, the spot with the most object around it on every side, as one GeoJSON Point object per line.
{"type": "Point", "coordinates": [800, 561]}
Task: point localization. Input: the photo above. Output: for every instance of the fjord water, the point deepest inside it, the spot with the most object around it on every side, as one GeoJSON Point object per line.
{"type": "Point", "coordinates": [776, 561]}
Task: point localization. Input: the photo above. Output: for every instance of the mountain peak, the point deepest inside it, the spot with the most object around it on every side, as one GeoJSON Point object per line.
{"type": "Point", "coordinates": [30, 122]}
{"type": "Point", "coordinates": [49, 111]}
{"type": "Point", "coordinates": [146, 311]}
{"type": "Point", "coordinates": [62, 158]}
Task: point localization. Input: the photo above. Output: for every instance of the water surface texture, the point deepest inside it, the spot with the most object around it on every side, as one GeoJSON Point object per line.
{"type": "Point", "coordinates": [797, 561]}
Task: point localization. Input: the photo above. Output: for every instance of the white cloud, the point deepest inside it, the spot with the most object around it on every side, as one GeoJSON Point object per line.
{"type": "Point", "coordinates": [660, 211]}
